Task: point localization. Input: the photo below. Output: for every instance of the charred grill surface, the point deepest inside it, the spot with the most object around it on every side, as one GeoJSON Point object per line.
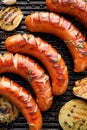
{"type": "Point", "coordinates": [50, 118]}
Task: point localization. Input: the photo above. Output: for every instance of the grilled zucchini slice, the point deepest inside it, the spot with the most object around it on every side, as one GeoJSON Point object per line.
{"type": "Point", "coordinates": [8, 111]}
{"type": "Point", "coordinates": [73, 115]}
{"type": "Point", "coordinates": [10, 18]}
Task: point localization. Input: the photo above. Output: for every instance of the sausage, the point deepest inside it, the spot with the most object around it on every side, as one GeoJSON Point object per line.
{"type": "Point", "coordinates": [59, 26]}
{"type": "Point", "coordinates": [77, 8]}
{"type": "Point", "coordinates": [23, 100]}
{"type": "Point", "coordinates": [49, 56]}
{"type": "Point", "coordinates": [33, 73]}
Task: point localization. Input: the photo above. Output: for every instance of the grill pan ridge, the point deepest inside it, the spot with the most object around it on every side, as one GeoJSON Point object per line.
{"type": "Point", "coordinates": [50, 117]}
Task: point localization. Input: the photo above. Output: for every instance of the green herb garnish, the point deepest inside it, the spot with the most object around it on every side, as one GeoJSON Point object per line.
{"type": "Point", "coordinates": [6, 120]}
{"type": "Point", "coordinates": [56, 59]}
{"type": "Point", "coordinates": [65, 123]}
{"type": "Point", "coordinates": [69, 41]}
{"type": "Point", "coordinates": [30, 77]}
{"type": "Point", "coordinates": [80, 46]}
{"type": "Point", "coordinates": [85, 0]}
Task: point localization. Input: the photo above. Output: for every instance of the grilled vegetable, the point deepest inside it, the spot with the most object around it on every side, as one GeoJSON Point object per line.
{"type": "Point", "coordinates": [10, 18]}
{"type": "Point", "coordinates": [9, 2]}
{"type": "Point", "coordinates": [8, 111]}
{"type": "Point", "coordinates": [80, 88]}
{"type": "Point", "coordinates": [73, 115]}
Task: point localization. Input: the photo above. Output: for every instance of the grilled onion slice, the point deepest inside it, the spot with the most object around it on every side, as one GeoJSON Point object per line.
{"type": "Point", "coordinates": [8, 111]}
{"type": "Point", "coordinates": [73, 115]}
{"type": "Point", "coordinates": [10, 18]}
{"type": "Point", "coordinates": [9, 2]}
{"type": "Point", "coordinates": [80, 88]}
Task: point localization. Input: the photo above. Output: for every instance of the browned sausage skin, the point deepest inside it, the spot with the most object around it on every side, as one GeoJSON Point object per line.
{"type": "Point", "coordinates": [33, 73]}
{"type": "Point", "coordinates": [53, 61]}
{"type": "Point", "coordinates": [23, 100]}
{"type": "Point", "coordinates": [54, 24]}
{"type": "Point", "coordinates": [77, 8]}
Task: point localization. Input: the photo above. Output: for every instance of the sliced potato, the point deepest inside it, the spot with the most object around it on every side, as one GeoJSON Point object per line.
{"type": "Point", "coordinates": [80, 88]}
{"type": "Point", "coordinates": [10, 18]}
{"type": "Point", "coordinates": [73, 115]}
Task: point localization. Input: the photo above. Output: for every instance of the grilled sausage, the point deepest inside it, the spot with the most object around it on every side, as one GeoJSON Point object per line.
{"type": "Point", "coordinates": [77, 8]}
{"type": "Point", "coordinates": [33, 73]}
{"type": "Point", "coordinates": [54, 24]}
{"type": "Point", "coordinates": [53, 61]}
{"type": "Point", "coordinates": [23, 100]}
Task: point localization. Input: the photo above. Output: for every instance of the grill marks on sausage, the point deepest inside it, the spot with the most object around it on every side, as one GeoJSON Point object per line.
{"type": "Point", "coordinates": [79, 40]}
{"type": "Point", "coordinates": [40, 81]}
{"type": "Point", "coordinates": [51, 55]}
{"type": "Point", "coordinates": [77, 8]}
{"type": "Point", "coordinates": [43, 51]}
{"type": "Point", "coordinates": [75, 3]}
{"type": "Point", "coordinates": [29, 109]}
{"type": "Point", "coordinates": [63, 29]}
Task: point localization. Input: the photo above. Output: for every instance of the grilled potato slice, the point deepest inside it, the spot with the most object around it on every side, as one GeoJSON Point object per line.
{"type": "Point", "coordinates": [80, 88]}
{"type": "Point", "coordinates": [10, 18]}
{"type": "Point", "coordinates": [73, 115]}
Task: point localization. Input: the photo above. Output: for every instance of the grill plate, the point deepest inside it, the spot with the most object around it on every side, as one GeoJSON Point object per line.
{"type": "Point", "coordinates": [50, 121]}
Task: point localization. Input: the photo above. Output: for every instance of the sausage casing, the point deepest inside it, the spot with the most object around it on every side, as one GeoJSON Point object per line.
{"type": "Point", "coordinates": [23, 100]}
{"type": "Point", "coordinates": [59, 26]}
{"type": "Point", "coordinates": [39, 48]}
{"type": "Point", "coordinates": [77, 8]}
{"type": "Point", "coordinates": [33, 73]}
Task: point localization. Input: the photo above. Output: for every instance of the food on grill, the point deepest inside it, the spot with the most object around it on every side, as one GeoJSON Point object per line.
{"type": "Point", "coordinates": [9, 2]}
{"type": "Point", "coordinates": [77, 8]}
{"type": "Point", "coordinates": [23, 100]}
{"type": "Point", "coordinates": [53, 61]}
{"type": "Point", "coordinates": [10, 18]}
{"type": "Point", "coordinates": [33, 73]}
{"type": "Point", "coordinates": [8, 111]}
{"type": "Point", "coordinates": [59, 26]}
{"type": "Point", "coordinates": [73, 115]}
{"type": "Point", "coordinates": [80, 88]}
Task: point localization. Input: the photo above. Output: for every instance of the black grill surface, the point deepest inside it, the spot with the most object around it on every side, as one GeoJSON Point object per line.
{"type": "Point", "coordinates": [50, 117]}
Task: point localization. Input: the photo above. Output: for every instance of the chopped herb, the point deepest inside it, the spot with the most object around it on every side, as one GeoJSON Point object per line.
{"type": "Point", "coordinates": [56, 59]}
{"type": "Point", "coordinates": [6, 120]}
{"type": "Point", "coordinates": [30, 77]}
{"type": "Point", "coordinates": [69, 41]}
{"type": "Point", "coordinates": [80, 46]}
{"type": "Point", "coordinates": [85, 0]}
{"type": "Point", "coordinates": [65, 123]}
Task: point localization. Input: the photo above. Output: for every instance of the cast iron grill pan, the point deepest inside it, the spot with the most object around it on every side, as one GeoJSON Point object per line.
{"type": "Point", "coordinates": [50, 117]}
